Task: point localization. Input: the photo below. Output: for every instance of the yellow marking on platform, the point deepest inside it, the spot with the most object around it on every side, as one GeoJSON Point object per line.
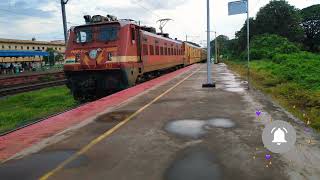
{"type": "Point", "coordinates": [109, 132]}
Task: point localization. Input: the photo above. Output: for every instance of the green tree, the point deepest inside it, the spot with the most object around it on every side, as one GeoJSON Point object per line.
{"type": "Point", "coordinates": [241, 36]}
{"type": "Point", "coordinates": [311, 26]}
{"type": "Point", "coordinates": [52, 59]}
{"type": "Point", "coordinates": [279, 17]}
{"type": "Point", "coordinates": [222, 42]}
{"type": "Point", "coordinates": [267, 45]}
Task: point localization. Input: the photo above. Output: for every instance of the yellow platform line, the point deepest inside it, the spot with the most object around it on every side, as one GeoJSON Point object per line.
{"type": "Point", "coordinates": [109, 132]}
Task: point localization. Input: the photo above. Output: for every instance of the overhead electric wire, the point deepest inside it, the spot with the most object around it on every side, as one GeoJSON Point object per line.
{"type": "Point", "coordinates": [150, 10]}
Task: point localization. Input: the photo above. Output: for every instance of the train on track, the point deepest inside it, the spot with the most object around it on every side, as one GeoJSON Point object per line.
{"type": "Point", "coordinates": [106, 55]}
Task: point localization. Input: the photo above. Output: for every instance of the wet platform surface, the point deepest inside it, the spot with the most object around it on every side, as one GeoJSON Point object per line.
{"type": "Point", "coordinates": [188, 133]}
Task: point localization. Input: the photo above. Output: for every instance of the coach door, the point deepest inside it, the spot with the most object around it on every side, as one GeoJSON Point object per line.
{"type": "Point", "coordinates": [135, 44]}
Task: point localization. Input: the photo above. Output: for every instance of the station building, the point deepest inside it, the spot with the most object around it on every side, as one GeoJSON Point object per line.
{"type": "Point", "coordinates": [14, 50]}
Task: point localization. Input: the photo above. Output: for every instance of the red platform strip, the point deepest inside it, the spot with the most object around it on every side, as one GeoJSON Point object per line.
{"type": "Point", "coordinates": [17, 141]}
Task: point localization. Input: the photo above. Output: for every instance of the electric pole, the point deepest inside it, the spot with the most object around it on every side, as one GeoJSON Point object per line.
{"type": "Point", "coordinates": [209, 83]}
{"type": "Point", "coordinates": [216, 46]}
{"type": "Point", "coordinates": [63, 11]}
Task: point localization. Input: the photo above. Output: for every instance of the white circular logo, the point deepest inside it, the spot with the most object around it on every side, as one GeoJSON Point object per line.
{"type": "Point", "coordinates": [93, 54]}
{"type": "Point", "coordinates": [279, 137]}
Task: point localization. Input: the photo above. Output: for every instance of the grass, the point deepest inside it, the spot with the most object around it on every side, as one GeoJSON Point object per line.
{"type": "Point", "coordinates": [26, 107]}
{"type": "Point", "coordinates": [293, 81]}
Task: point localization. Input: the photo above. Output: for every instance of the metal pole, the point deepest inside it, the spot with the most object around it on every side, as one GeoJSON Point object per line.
{"type": "Point", "coordinates": [63, 11]}
{"type": "Point", "coordinates": [248, 44]}
{"type": "Point", "coordinates": [209, 81]}
{"type": "Point", "coordinates": [216, 46]}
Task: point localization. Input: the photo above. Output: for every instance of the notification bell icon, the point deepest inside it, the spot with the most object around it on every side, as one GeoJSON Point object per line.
{"type": "Point", "coordinates": [279, 136]}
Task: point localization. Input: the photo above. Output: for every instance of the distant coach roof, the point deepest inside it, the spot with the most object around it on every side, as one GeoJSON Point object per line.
{"type": "Point", "coordinates": [58, 43]}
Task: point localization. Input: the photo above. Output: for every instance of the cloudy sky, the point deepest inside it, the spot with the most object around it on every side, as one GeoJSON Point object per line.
{"type": "Point", "coordinates": [24, 19]}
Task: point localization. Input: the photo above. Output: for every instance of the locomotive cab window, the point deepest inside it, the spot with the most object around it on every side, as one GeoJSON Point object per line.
{"type": "Point", "coordinates": [84, 35]}
{"type": "Point", "coordinates": [107, 33]}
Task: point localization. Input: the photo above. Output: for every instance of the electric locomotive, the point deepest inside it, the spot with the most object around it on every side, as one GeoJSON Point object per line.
{"type": "Point", "coordinates": [106, 55]}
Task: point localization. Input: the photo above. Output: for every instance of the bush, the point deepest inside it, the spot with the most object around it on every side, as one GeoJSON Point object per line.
{"type": "Point", "coordinates": [267, 46]}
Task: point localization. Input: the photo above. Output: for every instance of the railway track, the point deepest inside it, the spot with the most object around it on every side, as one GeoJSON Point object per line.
{"type": "Point", "coordinates": [30, 87]}
{"type": "Point", "coordinates": [24, 79]}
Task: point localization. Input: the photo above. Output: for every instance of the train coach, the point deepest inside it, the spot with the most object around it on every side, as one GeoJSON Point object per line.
{"type": "Point", "coordinates": [193, 53]}
{"type": "Point", "coordinates": [107, 55]}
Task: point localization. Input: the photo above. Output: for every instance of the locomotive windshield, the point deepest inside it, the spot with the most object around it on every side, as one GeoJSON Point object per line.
{"type": "Point", "coordinates": [108, 33]}
{"type": "Point", "coordinates": [84, 35]}
{"type": "Point", "coordinates": [100, 33]}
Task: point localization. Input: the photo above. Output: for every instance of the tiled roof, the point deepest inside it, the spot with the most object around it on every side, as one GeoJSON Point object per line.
{"type": "Point", "coordinates": [60, 43]}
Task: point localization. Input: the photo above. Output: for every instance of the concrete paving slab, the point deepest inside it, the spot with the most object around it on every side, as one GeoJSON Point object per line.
{"type": "Point", "coordinates": [189, 133]}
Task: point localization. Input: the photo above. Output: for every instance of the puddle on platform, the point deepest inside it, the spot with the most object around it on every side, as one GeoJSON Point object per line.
{"type": "Point", "coordinates": [222, 123]}
{"type": "Point", "coordinates": [232, 85]}
{"type": "Point", "coordinates": [228, 78]}
{"type": "Point", "coordinates": [194, 164]}
{"type": "Point", "coordinates": [188, 128]}
{"type": "Point", "coordinates": [230, 82]}
{"type": "Point", "coordinates": [196, 128]}
{"type": "Point", "coordinates": [115, 116]}
{"type": "Point", "coordinates": [235, 89]}
{"type": "Point", "coordinates": [35, 165]}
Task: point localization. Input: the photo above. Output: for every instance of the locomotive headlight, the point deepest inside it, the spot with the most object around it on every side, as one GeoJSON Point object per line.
{"type": "Point", "coordinates": [109, 56]}
{"type": "Point", "coordinates": [93, 54]}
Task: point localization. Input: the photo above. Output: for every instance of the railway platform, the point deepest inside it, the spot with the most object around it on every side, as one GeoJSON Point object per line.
{"type": "Point", "coordinates": [168, 128]}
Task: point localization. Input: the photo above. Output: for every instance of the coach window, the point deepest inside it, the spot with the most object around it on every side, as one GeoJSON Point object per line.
{"type": "Point", "coordinates": [151, 50]}
{"type": "Point", "coordinates": [9, 47]}
{"type": "Point", "coordinates": [172, 51]}
{"type": "Point", "coordinates": [145, 49]}
{"type": "Point", "coordinates": [42, 48]}
{"type": "Point", "coordinates": [133, 34]}
{"type": "Point", "coordinates": [165, 51]}
{"type": "Point", "coordinates": [161, 51]}
{"type": "Point", "coordinates": [27, 47]}
{"type": "Point", "coordinates": [157, 50]}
